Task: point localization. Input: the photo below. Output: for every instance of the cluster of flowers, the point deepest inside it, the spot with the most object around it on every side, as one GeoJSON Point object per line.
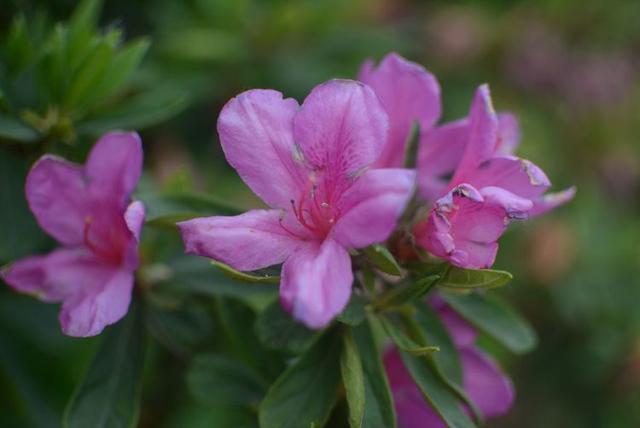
{"type": "Point", "coordinates": [332, 171]}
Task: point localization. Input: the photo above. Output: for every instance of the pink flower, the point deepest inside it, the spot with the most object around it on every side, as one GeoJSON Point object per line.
{"type": "Point", "coordinates": [409, 94]}
{"type": "Point", "coordinates": [466, 168]}
{"type": "Point", "coordinates": [483, 381]}
{"type": "Point", "coordinates": [88, 209]}
{"type": "Point", "coordinates": [310, 164]}
{"type": "Point", "coordinates": [480, 186]}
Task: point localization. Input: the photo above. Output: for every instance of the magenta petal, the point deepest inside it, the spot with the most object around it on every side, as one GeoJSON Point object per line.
{"type": "Point", "coordinates": [409, 94]}
{"type": "Point", "coordinates": [487, 386]}
{"type": "Point", "coordinates": [256, 133]}
{"type": "Point", "coordinates": [253, 240]}
{"type": "Point", "coordinates": [371, 207]}
{"type": "Point", "coordinates": [439, 154]}
{"type": "Point", "coordinates": [134, 218]}
{"type": "Point", "coordinates": [89, 311]}
{"type": "Point", "coordinates": [412, 409]}
{"type": "Point", "coordinates": [462, 333]}
{"type": "Point", "coordinates": [516, 175]}
{"type": "Point", "coordinates": [57, 195]}
{"type": "Point", "coordinates": [465, 224]}
{"type": "Point", "coordinates": [114, 166]}
{"type": "Point", "coordinates": [341, 128]}
{"type": "Point", "coordinates": [483, 128]}
{"type": "Point", "coordinates": [316, 282]}
{"type": "Point", "coordinates": [551, 201]}
{"type": "Point", "coordinates": [508, 134]}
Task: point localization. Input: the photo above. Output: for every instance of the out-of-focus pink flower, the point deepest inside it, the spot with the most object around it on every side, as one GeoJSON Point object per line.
{"type": "Point", "coordinates": [88, 209]}
{"type": "Point", "coordinates": [484, 383]}
{"type": "Point", "coordinates": [478, 186]}
{"type": "Point", "coordinates": [310, 164]}
{"type": "Point", "coordinates": [409, 94]}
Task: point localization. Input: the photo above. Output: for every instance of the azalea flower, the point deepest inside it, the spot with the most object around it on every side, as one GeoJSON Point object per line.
{"type": "Point", "coordinates": [488, 187]}
{"type": "Point", "coordinates": [484, 383]}
{"type": "Point", "coordinates": [311, 165]}
{"type": "Point", "coordinates": [467, 172]}
{"type": "Point", "coordinates": [88, 210]}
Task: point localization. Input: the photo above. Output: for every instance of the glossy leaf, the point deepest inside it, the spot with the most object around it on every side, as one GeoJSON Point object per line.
{"type": "Point", "coordinates": [455, 277]}
{"type": "Point", "coordinates": [435, 392]}
{"type": "Point", "coordinates": [16, 130]}
{"type": "Point", "coordinates": [306, 392]}
{"type": "Point", "coordinates": [355, 311]}
{"type": "Point", "coordinates": [404, 342]}
{"type": "Point", "coordinates": [378, 408]}
{"type": "Point", "coordinates": [383, 259]}
{"type": "Point", "coordinates": [447, 360]}
{"type": "Point", "coordinates": [494, 317]}
{"type": "Point", "coordinates": [353, 379]}
{"type": "Point", "coordinates": [278, 330]}
{"type": "Point", "coordinates": [401, 294]}
{"type": "Point", "coordinates": [218, 379]}
{"type": "Point", "coordinates": [109, 395]}
{"type": "Point", "coordinates": [245, 277]}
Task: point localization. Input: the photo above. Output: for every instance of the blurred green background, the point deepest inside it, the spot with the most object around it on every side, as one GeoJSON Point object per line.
{"type": "Point", "coordinates": [570, 70]}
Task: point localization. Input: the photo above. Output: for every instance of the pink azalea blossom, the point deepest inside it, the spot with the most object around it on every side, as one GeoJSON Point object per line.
{"type": "Point", "coordinates": [310, 164]}
{"type": "Point", "coordinates": [487, 189]}
{"type": "Point", "coordinates": [466, 168]}
{"type": "Point", "coordinates": [410, 94]}
{"type": "Point", "coordinates": [88, 210]}
{"type": "Point", "coordinates": [484, 383]}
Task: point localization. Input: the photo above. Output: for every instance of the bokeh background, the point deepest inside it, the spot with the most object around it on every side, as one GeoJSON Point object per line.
{"type": "Point", "coordinates": [570, 70]}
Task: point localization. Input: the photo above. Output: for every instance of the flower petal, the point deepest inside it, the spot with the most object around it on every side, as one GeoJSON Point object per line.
{"type": "Point", "coordinates": [412, 409]}
{"type": "Point", "coordinates": [516, 175]}
{"type": "Point", "coordinates": [465, 224]}
{"type": "Point", "coordinates": [371, 207]}
{"type": "Point", "coordinates": [409, 93]}
{"type": "Point", "coordinates": [114, 167]}
{"type": "Point", "coordinates": [253, 240]}
{"type": "Point", "coordinates": [256, 133]}
{"type": "Point", "coordinates": [439, 154]}
{"type": "Point", "coordinates": [487, 386]}
{"type": "Point", "coordinates": [483, 128]}
{"type": "Point", "coordinates": [95, 294]}
{"type": "Point", "coordinates": [57, 195]}
{"type": "Point", "coordinates": [134, 218]}
{"type": "Point", "coordinates": [508, 134]}
{"type": "Point", "coordinates": [550, 201]}
{"type": "Point", "coordinates": [316, 282]}
{"type": "Point", "coordinates": [88, 312]}
{"type": "Point", "coordinates": [341, 128]}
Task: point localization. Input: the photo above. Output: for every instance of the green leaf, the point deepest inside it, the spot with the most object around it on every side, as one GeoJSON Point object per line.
{"type": "Point", "coordinates": [109, 395]}
{"type": "Point", "coordinates": [404, 342]}
{"type": "Point", "coordinates": [447, 360]}
{"type": "Point", "coordinates": [355, 311]}
{"type": "Point", "coordinates": [119, 70]}
{"type": "Point", "coordinates": [137, 112]}
{"type": "Point", "coordinates": [217, 379]}
{"type": "Point", "coordinates": [399, 295]}
{"type": "Point", "coordinates": [436, 392]}
{"type": "Point", "coordinates": [81, 33]}
{"type": "Point", "coordinates": [91, 72]}
{"type": "Point", "coordinates": [353, 379]}
{"type": "Point", "coordinates": [165, 209]}
{"type": "Point", "coordinates": [18, 47]}
{"type": "Point", "coordinates": [245, 277]}
{"type": "Point", "coordinates": [237, 335]}
{"type": "Point", "coordinates": [411, 148]}
{"type": "Point", "coordinates": [278, 330]}
{"type": "Point", "coordinates": [455, 277]}
{"type": "Point", "coordinates": [306, 392]}
{"type": "Point", "coordinates": [383, 259]}
{"type": "Point", "coordinates": [378, 409]}
{"type": "Point", "coordinates": [16, 130]}
{"type": "Point", "coordinates": [494, 317]}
